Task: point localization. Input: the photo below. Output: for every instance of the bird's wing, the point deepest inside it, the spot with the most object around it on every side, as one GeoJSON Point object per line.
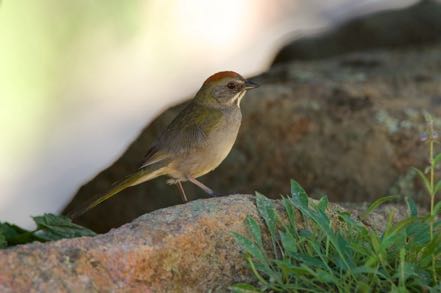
{"type": "Point", "coordinates": [187, 131]}
{"type": "Point", "coordinates": [191, 128]}
{"type": "Point", "coordinates": [154, 155]}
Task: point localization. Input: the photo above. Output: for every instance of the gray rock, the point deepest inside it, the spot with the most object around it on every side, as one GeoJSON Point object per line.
{"type": "Point", "coordinates": [415, 26]}
{"type": "Point", "coordinates": [186, 248]}
{"type": "Point", "coordinates": [339, 126]}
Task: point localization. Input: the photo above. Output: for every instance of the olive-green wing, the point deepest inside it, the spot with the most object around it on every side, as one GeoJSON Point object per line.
{"type": "Point", "coordinates": [188, 130]}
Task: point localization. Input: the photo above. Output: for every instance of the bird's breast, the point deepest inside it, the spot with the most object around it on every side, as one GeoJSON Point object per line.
{"type": "Point", "coordinates": [218, 144]}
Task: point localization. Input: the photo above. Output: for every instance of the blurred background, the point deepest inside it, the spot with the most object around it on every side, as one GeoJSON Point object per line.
{"type": "Point", "coordinates": [80, 79]}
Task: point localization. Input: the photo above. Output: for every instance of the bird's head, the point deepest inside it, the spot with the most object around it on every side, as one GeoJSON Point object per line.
{"type": "Point", "coordinates": [224, 89]}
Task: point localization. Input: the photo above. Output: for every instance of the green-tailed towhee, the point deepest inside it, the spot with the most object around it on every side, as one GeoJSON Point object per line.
{"type": "Point", "coordinates": [196, 141]}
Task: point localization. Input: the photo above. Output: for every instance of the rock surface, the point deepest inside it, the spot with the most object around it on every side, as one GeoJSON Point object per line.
{"type": "Point", "coordinates": [187, 248]}
{"type": "Point", "coordinates": [349, 126]}
{"type": "Point", "coordinates": [413, 26]}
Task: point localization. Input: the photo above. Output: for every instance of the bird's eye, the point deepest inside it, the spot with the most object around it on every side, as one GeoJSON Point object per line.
{"type": "Point", "coordinates": [231, 85]}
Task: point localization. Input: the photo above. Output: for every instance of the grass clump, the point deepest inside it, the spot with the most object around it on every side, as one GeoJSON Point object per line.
{"type": "Point", "coordinates": [405, 257]}
{"type": "Point", "coordinates": [313, 256]}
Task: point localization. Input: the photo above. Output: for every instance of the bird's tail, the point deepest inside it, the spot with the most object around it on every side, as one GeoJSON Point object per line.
{"type": "Point", "coordinates": [140, 176]}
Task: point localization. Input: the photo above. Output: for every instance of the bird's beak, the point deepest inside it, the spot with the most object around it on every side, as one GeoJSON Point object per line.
{"type": "Point", "coordinates": [249, 85]}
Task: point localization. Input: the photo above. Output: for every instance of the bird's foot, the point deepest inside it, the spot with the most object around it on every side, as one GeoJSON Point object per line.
{"type": "Point", "coordinates": [172, 181]}
{"type": "Point", "coordinates": [216, 194]}
{"type": "Point", "coordinates": [199, 184]}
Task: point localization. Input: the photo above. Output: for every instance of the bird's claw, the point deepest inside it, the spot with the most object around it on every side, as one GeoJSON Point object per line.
{"type": "Point", "coordinates": [172, 181]}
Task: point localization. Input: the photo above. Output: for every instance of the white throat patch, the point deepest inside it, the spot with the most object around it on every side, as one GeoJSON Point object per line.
{"type": "Point", "coordinates": [237, 98]}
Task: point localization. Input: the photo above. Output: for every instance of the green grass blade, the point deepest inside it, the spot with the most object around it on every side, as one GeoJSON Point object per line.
{"type": "Point", "coordinates": [288, 243]}
{"type": "Point", "coordinates": [254, 228]}
{"type": "Point", "coordinates": [250, 247]}
{"type": "Point", "coordinates": [378, 202]}
{"type": "Point", "coordinates": [291, 214]}
{"type": "Point", "coordinates": [298, 193]}
{"type": "Point", "coordinates": [412, 209]}
{"type": "Point", "coordinates": [437, 187]}
{"type": "Point", "coordinates": [419, 233]}
{"type": "Point", "coordinates": [351, 222]}
{"type": "Point", "coordinates": [323, 223]}
{"type": "Point", "coordinates": [424, 179]}
{"type": "Point", "coordinates": [267, 212]}
{"type": "Point", "coordinates": [323, 203]}
{"type": "Point", "coordinates": [437, 208]}
{"type": "Point", "coordinates": [436, 159]}
{"type": "Point", "coordinates": [244, 288]}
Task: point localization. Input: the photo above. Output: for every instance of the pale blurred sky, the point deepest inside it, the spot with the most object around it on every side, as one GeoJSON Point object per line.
{"type": "Point", "coordinates": [80, 79]}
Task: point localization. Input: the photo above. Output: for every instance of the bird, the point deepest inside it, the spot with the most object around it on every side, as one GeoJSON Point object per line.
{"type": "Point", "coordinates": [196, 142]}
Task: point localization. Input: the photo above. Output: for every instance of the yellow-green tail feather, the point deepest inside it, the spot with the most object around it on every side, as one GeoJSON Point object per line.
{"type": "Point", "coordinates": [142, 175]}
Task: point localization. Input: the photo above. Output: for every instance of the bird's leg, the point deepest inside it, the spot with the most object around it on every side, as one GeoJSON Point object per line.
{"type": "Point", "coordinates": [199, 184]}
{"type": "Point", "coordinates": [181, 191]}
